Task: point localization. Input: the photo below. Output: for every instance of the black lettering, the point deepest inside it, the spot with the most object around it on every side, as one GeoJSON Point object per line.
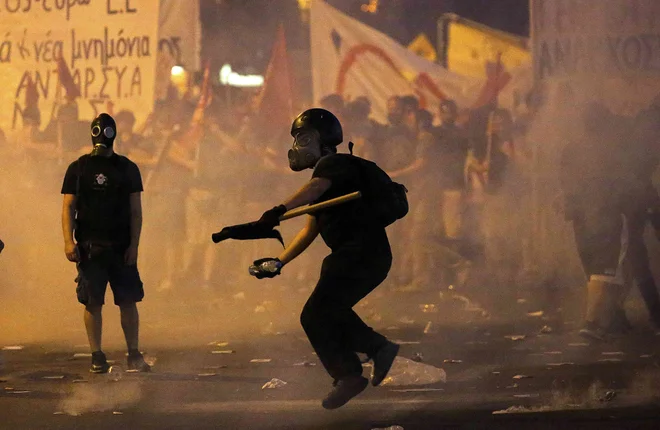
{"type": "Point", "coordinates": [28, 6]}
{"type": "Point", "coordinates": [120, 76]}
{"type": "Point", "coordinates": [90, 76]}
{"type": "Point", "coordinates": [39, 82]}
{"type": "Point", "coordinates": [5, 51]}
{"type": "Point", "coordinates": [109, 8]}
{"type": "Point", "coordinates": [45, 6]}
{"type": "Point", "coordinates": [16, 5]}
{"type": "Point", "coordinates": [94, 103]}
{"type": "Point", "coordinates": [102, 93]}
{"type": "Point", "coordinates": [136, 82]}
{"type": "Point", "coordinates": [129, 9]}
{"type": "Point", "coordinates": [17, 111]}
{"type": "Point", "coordinates": [26, 79]}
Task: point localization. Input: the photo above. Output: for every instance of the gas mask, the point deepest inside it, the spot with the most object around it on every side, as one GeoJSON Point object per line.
{"type": "Point", "coordinates": [306, 151]}
{"type": "Point", "coordinates": [103, 132]}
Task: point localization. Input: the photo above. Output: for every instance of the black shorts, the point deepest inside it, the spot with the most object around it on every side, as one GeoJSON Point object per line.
{"type": "Point", "coordinates": [602, 242]}
{"type": "Point", "coordinates": [100, 265]}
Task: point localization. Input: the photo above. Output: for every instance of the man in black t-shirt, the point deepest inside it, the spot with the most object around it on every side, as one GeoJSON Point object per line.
{"type": "Point", "coordinates": [359, 261]}
{"type": "Point", "coordinates": [102, 209]}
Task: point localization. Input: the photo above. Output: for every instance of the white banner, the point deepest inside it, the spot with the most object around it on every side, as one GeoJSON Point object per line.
{"type": "Point", "coordinates": [179, 40]}
{"type": "Point", "coordinates": [109, 47]}
{"type": "Point", "coordinates": [611, 52]}
{"type": "Point", "coordinates": [353, 59]}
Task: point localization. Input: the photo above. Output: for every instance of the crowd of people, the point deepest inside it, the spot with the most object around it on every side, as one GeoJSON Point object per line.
{"type": "Point", "coordinates": [469, 174]}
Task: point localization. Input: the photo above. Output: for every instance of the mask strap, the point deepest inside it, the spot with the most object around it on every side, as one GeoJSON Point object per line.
{"type": "Point", "coordinates": [350, 147]}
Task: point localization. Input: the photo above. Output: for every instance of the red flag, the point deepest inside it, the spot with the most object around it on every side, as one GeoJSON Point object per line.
{"type": "Point", "coordinates": [275, 102]}
{"type": "Point", "coordinates": [64, 74]}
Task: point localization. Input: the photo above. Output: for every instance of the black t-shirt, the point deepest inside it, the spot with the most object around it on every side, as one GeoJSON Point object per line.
{"type": "Point", "coordinates": [103, 186]}
{"type": "Point", "coordinates": [347, 223]}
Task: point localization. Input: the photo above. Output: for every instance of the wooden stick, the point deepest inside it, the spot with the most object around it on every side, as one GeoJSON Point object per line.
{"type": "Point", "coordinates": [326, 204]}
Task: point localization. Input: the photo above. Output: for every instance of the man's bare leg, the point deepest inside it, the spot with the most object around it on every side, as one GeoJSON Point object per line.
{"type": "Point", "coordinates": [94, 326]}
{"type": "Point", "coordinates": [130, 324]}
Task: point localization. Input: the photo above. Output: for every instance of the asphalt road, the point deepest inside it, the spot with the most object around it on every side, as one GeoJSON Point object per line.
{"type": "Point", "coordinates": [495, 379]}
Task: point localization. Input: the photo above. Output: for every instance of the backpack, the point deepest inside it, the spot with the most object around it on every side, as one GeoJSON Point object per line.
{"type": "Point", "coordinates": [387, 200]}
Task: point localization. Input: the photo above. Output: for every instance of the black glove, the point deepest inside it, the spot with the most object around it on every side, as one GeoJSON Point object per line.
{"type": "Point", "coordinates": [266, 268]}
{"type": "Point", "coordinates": [2, 245]}
{"type": "Point", "coordinates": [271, 218]}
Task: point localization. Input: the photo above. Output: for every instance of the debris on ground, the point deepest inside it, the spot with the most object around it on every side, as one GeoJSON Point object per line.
{"type": "Point", "coordinates": [406, 320]}
{"type": "Point", "coordinates": [53, 377]}
{"type": "Point", "coordinates": [13, 348]}
{"type": "Point", "coordinates": [453, 361]}
{"type": "Point", "coordinates": [260, 360]}
{"type": "Point", "coordinates": [117, 413]}
{"type": "Point", "coordinates": [566, 363]}
{"type": "Point", "coordinates": [224, 351]}
{"type": "Point", "coordinates": [418, 357]}
{"type": "Point", "coordinates": [239, 296]}
{"type": "Point", "coordinates": [417, 390]}
{"type": "Point", "coordinates": [522, 377]}
{"type": "Point", "coordinates": [610, 360]}
{"type": "Point", "coordinates": [206, 374]}
{"type": "Point", "coordinates": [521, 410]}
{"type": "Point", "coordinates": [428, 308]}
{"type": "Point", "coordinates": [608, 397]}
{"type": "Point", "coordinates": [409, 372]}
{"type": "Point", "coordinates": [579, 344]}
{"type": "Point", "coordinates": [305, 364]}
{"type": "Point", "coordinates": [407, 342]}
{"type": "Point", "coordinates": [218, 344]}
{"type": "Point", "coordinates": [521, 301]}
{"type": "Point", "coordinates": [553, 352]}
{"type": "Point", "coordinates": [526, 396]}
{"type": "Point", "coordinates": [614, 353]}
{"type": "Point", "coordinates": [535, 314]}
{"type": "Point", "coordinates": [428, 329]}
{"type": "Point", "coordinates": [82, 355]}
{"type": "Point", "coordinates": [273, 383]}
{"type": "Point", "coordinates": [515, 337]}
{"type": "Point", "coordinates": [389, 428]}
{"type": "Point", "coordinates": [546, 329]}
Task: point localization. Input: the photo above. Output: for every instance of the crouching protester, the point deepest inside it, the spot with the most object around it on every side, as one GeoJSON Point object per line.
{"type": "Point", "coordinates": [102, 211]}
{"type": "Point", "coordinates": [360, 259]}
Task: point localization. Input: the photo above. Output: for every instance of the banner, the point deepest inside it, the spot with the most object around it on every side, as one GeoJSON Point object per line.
{"type": "Point", "coordinates": [612, 51]}
{"type": "Point", "coordinates": [179, 40]}
{"type": "Point", "coordinates": [352, 59]}
{"type": "Point", "coordinates": [108, 46]}
{"type": "Point", "coordinates": [472, 46]}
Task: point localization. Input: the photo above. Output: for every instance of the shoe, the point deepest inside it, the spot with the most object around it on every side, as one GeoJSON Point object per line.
{"type": "Point", "coordinates": [344, 390]}
{"type": "Point", "coordinates": [383, 362]}
{"type": "Point", "coordinates": [99, 363]}
{"type": "Point", "coordinates": [136, 363]}
{"type": "Point", "coordinates": [592, 330]}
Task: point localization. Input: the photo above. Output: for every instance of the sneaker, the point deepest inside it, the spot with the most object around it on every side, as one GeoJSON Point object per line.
{"type": "Point", "coordinates": [99, 363]}
{"type": "Point", "coordinates": [136, 363]}
{"type": "Point", "coordinates": [383, 362]}
{"type": "Point", "coordinates": [344, 390]}
{"type": "Point", "coordinates": [592, 330]}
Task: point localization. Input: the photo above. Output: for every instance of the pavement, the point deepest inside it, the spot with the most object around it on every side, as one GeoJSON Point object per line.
{"type": "Point", "coordinates": [530, 370]}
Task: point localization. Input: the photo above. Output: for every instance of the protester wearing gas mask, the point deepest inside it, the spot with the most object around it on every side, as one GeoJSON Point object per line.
{"type": "Point", "coordinates": [101, 223]}
{"type": "Point", "coordinates": [360, 259]}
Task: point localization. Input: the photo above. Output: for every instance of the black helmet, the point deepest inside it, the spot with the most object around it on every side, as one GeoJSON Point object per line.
{"type": "Point", "coordinates": [322, 121]}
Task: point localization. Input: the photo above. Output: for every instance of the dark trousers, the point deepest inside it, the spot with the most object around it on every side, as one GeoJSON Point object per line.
{"type": "Point", "coordinates": [639, 264]}
{"type": "Point", "coordinates": [335, 331]}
